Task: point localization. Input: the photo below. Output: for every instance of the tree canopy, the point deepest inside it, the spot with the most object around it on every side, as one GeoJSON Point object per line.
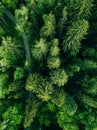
{"type": "Point", "coordinates": [48, 65]}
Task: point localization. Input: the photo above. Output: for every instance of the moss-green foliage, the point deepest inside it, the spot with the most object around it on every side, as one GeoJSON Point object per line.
{"type": "Point", "coordinates": [12, 118]}
{"type": "Point", "coordinates": [10, 4]}
{"type": "Point", "coordinates": [76, 32]}
{"type": "Point", "coordinates": [48, 110]}
{"type": "Point", "coordinates": [58, 77]}
{"type": "Point", "coordinates": [30, 112]}
{"type": "Point", "coordinates": [12, 115]}
{"type": "Point", "coordinates": [48, 64]}
{"type": "Point", "coordinates": [3, 85]}
{"type": "Point", "coordinates": [66, 116]}
{"type": "Point", "coordinates": [19, 73]}
{"type": "Point", "coordinates": [39, 51]}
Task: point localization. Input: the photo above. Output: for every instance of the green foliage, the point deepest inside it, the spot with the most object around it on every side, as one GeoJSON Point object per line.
{"type": "Point", "coordinates": [62, 21]}
{"type": "Point", "coordinates": [51, 107]}
{"type": "Point", "coordinates": [65, 119]}
{"type": "Point", "coordinates": [54, 50]}
{"type": "Point", "coordinates": [88, 100]}
{"type": "Point", "coordinates": [21, 17]}
{"type": "Point", "coordinates": [40, 86]}
{"type": "Point", "coordinates": [89, 119]}
{"type": "Point", "coordinates": [75, 34]}
{"type": "Point", "coordinates": [58, 98]}
{"type": "Point", "coordinates": [58, 77]}
{"type": "Point", "coordinates": [48, 30]}
{"type": "Point", "coordinates": [79, 9]}
{"type": "Point", "coordinates": [44, 115]}
{"type": "Point", "coordinates": [85, 64]}
{"type": "Point", "coordinates": [19, 73]}
{"type": "Point", "coordinates": [89, 64]}
{"type": "Point", "coordinates": [61, 37]}
{"type": "Point", "coordinates": [3, 125]}
{"type": "Point", "coordinates": [13, 115]}
{"type": "Point", "coordinates": [39, 51]}
{"type": "Point", "coordinates": [84, 8]}
{"type": "Point", "coordinates": [44, 91]}
{"type": "Point", "coordinates": [8, 51]}
{"type": "Point", "coordinates": [3, 79]}
{"type": "Point", "coordinates": [9, 3]}
{"type": "Point", "coordinates": [3, 85]}
{"type": "Point", "coordinates": [30, 112]}
{"type": "Point", "coordinates": [53, 63]}
{"type": "Point", "coordinates": [16, 90]}
{"type": "Point", "coordinates": [89, 53]}
{"type": "Point", "coordinates": [33, 81]}
{"type": "Point", "coordinates": [45, 6]}
{"type": "Point", "coordinates": [89, 85]}
{"type": "Point", "coordinates": [70, 105]}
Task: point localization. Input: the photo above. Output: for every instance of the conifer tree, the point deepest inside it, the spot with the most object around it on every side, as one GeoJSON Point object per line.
{"type": "Point", "coordinates": [74, 35]}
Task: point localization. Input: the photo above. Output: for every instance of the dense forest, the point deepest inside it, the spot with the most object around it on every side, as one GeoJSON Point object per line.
{"type": "Point", "coordinates": [48, 64]}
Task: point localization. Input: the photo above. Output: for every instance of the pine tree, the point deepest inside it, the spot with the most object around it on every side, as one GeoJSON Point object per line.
{"type": "Point", "coordinates": [48, 30]}
{"type": "Point", "coordinates": [40, 50]}
{"type": "Point", "coordinates": [58, 77]}
{"type": "Point", "coordinates": [74, 35]}
{"type": "Point", "coordinates": [30, 112]}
